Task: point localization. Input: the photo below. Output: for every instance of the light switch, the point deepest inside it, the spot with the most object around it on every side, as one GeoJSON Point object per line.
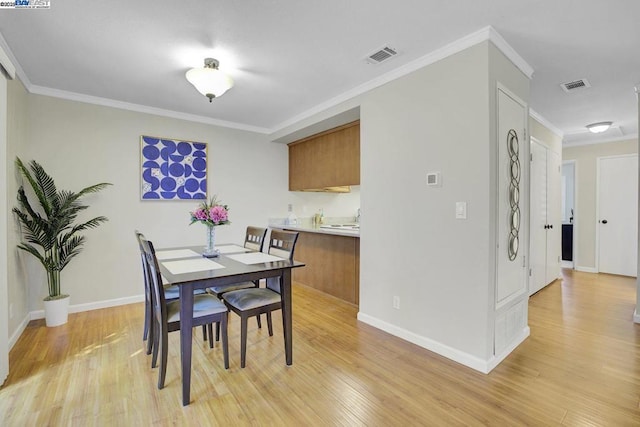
{"type": "Point", "coordinates": [461, 210]}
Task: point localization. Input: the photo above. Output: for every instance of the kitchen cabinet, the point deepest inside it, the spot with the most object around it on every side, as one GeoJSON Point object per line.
{"type": "Point", "coordinates": [332, 264]}
{"type": "Point", "coordinates": [546, 219]}
{"type": "Point", "coordinates": [326, 161]}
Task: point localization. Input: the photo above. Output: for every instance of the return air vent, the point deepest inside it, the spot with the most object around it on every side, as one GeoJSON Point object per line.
{"type": "Point", "coordinates": [381, 55]}
{"type": "Point", "coordinates": [574, 85]}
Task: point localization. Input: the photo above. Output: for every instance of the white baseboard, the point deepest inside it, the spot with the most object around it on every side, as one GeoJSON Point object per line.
{"type": "Point", "coordinates": [495, 360]}
{"type": "Point", "coordinates": [39, 314]}
{"type": "Point", "coordinates": [566, 264]}
{"type": "Point", "coordinates": [454, 354]}
{"type": "Point", "coordinates": [19, 330]}
{"type": "Point", "coordinates": [586, 269]}
{"type": "Point", "coordinates": [636, 316]}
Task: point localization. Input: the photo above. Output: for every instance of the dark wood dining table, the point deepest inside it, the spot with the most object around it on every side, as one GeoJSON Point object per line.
{"type": "Point", "coordinates": [232, 271]}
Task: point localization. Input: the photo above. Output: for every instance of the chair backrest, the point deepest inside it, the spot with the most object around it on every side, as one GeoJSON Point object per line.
{"type": "Point", "coordinates": [145, 269]}
{"type": "Point", "coordinates": [283, 244]}
{"type": "Point", "coordinates": [155, 280]}
{"type": "Point", "coordinates": [254, 238]}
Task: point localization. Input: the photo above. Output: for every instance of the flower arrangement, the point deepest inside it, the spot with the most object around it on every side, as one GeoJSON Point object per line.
{"type": "Point", "coordinates": [211, 213]}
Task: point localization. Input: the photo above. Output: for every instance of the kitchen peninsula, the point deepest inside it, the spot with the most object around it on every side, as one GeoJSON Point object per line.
{"type": "Point", "coordinates": [332, 258]}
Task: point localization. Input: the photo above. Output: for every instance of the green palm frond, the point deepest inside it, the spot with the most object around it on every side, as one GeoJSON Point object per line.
{"type": "Point", "coordinates": [49, 231]}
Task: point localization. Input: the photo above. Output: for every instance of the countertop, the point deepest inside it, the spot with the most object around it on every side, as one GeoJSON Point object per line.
{"type": "Point", "coordinates": [317, 229]}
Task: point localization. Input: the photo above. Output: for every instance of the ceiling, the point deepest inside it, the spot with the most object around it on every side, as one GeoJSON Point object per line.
{"type": "Point", "coordinates": [288, 57]}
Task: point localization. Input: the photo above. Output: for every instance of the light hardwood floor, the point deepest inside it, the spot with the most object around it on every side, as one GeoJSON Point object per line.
{"type": "Point", "coordinates": [579, 367]}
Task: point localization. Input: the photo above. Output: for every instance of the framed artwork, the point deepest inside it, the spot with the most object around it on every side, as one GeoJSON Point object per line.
{"type": "Point", "coordinates": [172, 169]}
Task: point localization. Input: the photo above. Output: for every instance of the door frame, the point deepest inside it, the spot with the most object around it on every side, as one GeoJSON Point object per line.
{"type": "Point", "coordinates": [574, 240]}
{"type": "Point", "coordinates": [597, 245]}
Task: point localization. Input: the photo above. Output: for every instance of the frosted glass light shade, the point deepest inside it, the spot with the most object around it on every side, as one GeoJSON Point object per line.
{"type": "Point", "coordinates": [208, 80]}
{"type": "Point", "coordinates": [599, 127]}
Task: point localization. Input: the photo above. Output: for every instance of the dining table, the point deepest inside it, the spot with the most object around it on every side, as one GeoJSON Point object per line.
{"type": "Point", "coordinates": [189, 270]}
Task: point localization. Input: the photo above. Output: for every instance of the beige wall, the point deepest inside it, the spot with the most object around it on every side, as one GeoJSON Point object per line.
{"type": "Point", "coordinates": [81, 144]}
{"type": "Point", "coordinates": [585, 157]}
{"type": "Point", "coordinates": [17, 128]}
{"type": "Point", "coordinates": [439, 118]}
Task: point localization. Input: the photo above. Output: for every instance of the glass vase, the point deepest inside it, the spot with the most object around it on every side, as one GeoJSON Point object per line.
{"type": "Point", "coordinates": [210, 250]}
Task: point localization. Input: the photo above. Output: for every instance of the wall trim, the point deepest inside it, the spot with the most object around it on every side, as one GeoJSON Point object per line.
{"type": "Point", "coordinates": [495, 360]}
{"type": "Point", "coordinates": [77, 308]}
{"type": "Point", "coordinates": [636, 316]}
{"type": "Point", "coordinates": [630, 137]}
{"type": "Point", "coordinates": [19, 330]}
{"type": "Point", "coordinates": [546, 123]}
{"type": "Point", "coordinates": [586, 269]}
{"type": "Point", "coordinates": [484, 34]}
{"type": "Point", "coordinates": [454, 354]}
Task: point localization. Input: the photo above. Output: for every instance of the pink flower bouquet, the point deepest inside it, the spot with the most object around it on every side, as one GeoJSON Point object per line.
{"type": "Point", "coordinates": [211, 213]}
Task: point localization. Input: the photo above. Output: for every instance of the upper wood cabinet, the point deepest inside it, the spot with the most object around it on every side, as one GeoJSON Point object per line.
{"type": "Point", "coordinates": [328, 159]}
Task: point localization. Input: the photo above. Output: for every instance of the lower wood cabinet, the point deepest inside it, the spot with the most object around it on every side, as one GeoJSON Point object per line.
{"type": "Point", "coordinates": [332, 264]}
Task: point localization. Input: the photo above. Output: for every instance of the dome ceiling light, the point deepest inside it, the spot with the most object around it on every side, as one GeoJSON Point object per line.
{"type": "Point", "coordinates": [209, 80]}
{"type": "Point", "coordinates": [599, 127]}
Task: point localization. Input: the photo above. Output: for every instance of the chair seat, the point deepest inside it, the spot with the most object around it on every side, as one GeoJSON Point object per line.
{"type": "Point", "coordinates": [203, 305]}
{"type": "Point", "coordinates": [217, 290]}
{"type": "Point", "coordinates": [247, 299]}
{"type": "Point", "coordinates": [173, 292]}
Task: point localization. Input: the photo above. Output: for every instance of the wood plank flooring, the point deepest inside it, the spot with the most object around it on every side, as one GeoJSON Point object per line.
{"type": "Point", "coordinates": [579, 367]}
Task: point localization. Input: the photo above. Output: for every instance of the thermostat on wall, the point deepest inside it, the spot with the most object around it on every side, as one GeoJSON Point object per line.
{"type": "Point", "coordinates": [433, 179]}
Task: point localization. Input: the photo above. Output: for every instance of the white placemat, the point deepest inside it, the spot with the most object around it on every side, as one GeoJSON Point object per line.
{"type": "Point", "coordinates": [191, 265]}
{"type": "Point", "coordinates": [255, 258]}
{"type": "Point", "coordinates": [176, 253]}
{"type": "Point", "coordinates": [230, 249]}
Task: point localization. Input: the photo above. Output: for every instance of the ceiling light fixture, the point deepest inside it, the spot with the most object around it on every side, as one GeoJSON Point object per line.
{"type": "Point", "coordinates": [599, 127]}
{"type": "Point", "coordinates": [209, 80]}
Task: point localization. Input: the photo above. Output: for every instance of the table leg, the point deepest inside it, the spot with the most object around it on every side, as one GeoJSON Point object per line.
{"type": "Point", "coordinates": [287, 324]}
{"type": "Point", "coordinates": [186, 334]}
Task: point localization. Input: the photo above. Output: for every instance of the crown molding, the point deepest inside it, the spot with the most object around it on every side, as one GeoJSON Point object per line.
{"type": "Point", "coordinates": [106, 102]}
{"type": "Point", "coordinates": [484, 34]}
{"type": "Point", "coordinates": [544, 122]}
{"type": "Point", "coordinates": [600, 141]}
{"type": "Point", "coordinates": [7, 60]}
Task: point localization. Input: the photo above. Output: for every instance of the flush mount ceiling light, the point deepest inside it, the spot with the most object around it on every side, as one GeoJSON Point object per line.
{"type": "Point", "coordinates": [209, 80]}
{"type": "Point", "coordinates": [599, 127]}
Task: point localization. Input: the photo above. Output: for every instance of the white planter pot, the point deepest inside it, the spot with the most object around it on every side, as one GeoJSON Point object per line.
{"type": "Point", "coordinates": [56, 311]}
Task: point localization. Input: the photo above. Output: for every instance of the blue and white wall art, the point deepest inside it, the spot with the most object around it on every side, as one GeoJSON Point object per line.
{"type": "Point", "coordinates": [173, 169]}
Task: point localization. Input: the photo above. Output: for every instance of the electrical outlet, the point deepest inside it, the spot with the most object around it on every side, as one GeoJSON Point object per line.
{"type": "Point", "coordinates": [396, 302]}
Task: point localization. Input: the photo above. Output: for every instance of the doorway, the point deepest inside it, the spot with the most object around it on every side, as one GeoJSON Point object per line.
{"type": "Point", "coordinates": [617, 215]}
{"type": "Point", "coordinates": [568, 189]}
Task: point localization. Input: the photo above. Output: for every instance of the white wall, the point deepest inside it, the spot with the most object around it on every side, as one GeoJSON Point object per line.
{"type": "Point", "coordinates": [435, 119]}
{"type": "Point", "coordinates": [4, 303]}
{"type": "Point", "coordinates": [585, 157]}
{"type": "Point", "coordinates": [17, 128]}
{"type": "Point", "coordinates": [81, 144]}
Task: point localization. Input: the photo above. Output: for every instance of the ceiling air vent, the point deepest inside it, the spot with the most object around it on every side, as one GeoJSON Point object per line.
{"type": "Point", "coordinates": [576, 84]}
{"type": "Point", "coordinates": [381, 55]}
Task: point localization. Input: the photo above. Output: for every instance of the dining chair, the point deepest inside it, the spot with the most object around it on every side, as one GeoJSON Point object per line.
{"type": "Point", "coordinates": [170, 293]}
{"type": "Point", "coordinates": [256, 301]}
{"type": "Point", "coordinates": [207, 309]}
{"type": "Point", "coordinates": [254, 240]}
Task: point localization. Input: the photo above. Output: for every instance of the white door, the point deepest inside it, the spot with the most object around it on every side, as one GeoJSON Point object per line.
{"type": "Point", "coordinates": [618, 215]}
{"type": "Point", "coordinates": [538, 219]}
{"type": "Point", "coordinates": [554, 216]}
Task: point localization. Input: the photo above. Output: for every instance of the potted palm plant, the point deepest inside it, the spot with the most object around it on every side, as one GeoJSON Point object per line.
{"type": "Point", "coordinates": [51, 233]}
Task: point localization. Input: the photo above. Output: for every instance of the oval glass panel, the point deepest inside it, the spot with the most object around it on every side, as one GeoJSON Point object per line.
{"type": "Point", "coordinates": [514, 195]}
{"type": "Point", "coordinates": [515, 219]}
{"type": "Point", "coordinates": [515, 170]}
{"type": "Point", "coordinates": [514, 145]}
{"type": "Point", "coordinates": [513, 247]}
